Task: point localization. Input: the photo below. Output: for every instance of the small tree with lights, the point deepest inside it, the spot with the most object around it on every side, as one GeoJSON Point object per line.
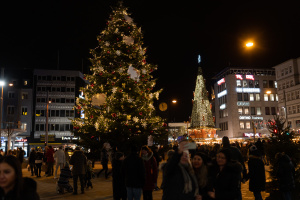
{"type": "Point", "coordinates": [281, 140]}
{"type": "Point", "coordinates": [117, 103]}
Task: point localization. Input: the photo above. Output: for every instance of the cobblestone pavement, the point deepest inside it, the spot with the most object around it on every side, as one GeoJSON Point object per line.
{"type": "Point", "coordinates": [102, 188]}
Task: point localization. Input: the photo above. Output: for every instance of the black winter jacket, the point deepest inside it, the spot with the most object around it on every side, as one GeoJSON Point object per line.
{"type": "Point", "coordinates": [134, 171]}
{"type": "Point", "coordinates": [225, 182]}
{"type": "Point", "coordinates": [28, 192]}
{"type": "Point", "coordinates": [256, 174]}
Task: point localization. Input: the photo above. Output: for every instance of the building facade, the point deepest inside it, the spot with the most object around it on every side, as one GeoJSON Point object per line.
{"type": "Point", "coordinates": [288, 79]}
{"type": "Point", "coordinates": [55, 93]}
{"type": "Point", "coordinates": [17, 109]}
{"type": "Point", "coordinates": [245, 98]}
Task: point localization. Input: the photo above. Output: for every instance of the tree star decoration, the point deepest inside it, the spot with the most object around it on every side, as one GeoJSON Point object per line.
{"type": "Point", "coordinates": [135, 119]}
{"type": "Point", "coordinates": [134, 73]}
{"type": "Point", "coordinates": [144, 124]}
{"type": "Point", "coordinates": [128, 40]}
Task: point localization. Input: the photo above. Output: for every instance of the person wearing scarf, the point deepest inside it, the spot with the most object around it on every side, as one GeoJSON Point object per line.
{"type": "Point", "coordinates": [180, 182]}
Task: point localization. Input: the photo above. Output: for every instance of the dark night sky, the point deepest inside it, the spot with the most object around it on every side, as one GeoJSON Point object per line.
{"type": "Point", "coordinates": [175, 32]}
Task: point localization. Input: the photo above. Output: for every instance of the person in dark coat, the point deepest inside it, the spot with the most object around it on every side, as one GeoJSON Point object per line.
{"type": "Point", "coordinates": [50, 160]}
{"type": "Point", "coordinates": [179, 178]}
{"type": "Point", "coordinates": [134, 174]}
{"type": "Point", "coordinates": [79, 162]}
{"type": "Point", "coordinates": [20, 155]}
{"type": "Point", "coordinates": [151, 172]}
{"type": "Point", "coordinates": [63, 181]}
{"type": "Point", "coordinates": [31, 161]}
{"type": "Point", "coordinates": [119, 188]}
{"type": "Point", "coordinates": [285, 175]}
{"type": "Point", "coordinates": [256, 173]}
{"type": "Point", "coordinates": [104, 162]}
{"type": "Point", "coordinates": [235, 155]}
{"type": "Point", "coordinates": [12, 185]}
{"type": "Point", "coordinates": [38, 162]}
{"type": "Point", "coordinates": [158, 160]}
{"type": "Point", "coordinates": [224, 177]}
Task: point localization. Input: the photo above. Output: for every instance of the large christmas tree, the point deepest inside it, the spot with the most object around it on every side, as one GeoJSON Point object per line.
{"type": "Point", "coordinates": [117, 104]}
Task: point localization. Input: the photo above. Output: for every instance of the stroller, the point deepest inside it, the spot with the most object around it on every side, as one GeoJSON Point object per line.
{"type": "Point", "coordinates": [63, 181]}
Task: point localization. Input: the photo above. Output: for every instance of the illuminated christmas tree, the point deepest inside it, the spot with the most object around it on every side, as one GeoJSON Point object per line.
{"type": "Point", "coordinates": [202, 123]}
{"type": "Point", "coordinates": [118, 102]}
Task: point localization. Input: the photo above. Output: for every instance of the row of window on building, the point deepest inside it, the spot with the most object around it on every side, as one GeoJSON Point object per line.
{"type": "Point", "coordinates": [285, 71]}
{"type": "Point", "coordinates": [55, 89]}
{"type": "Point", "coordinates": [257, 111]}
{"type": "Point", "coordinates": [55, 100]}
{"type": "Point", "coordinates": [55, 78]}
{"type": "Point", "coordinates": [256, 97]}
{"type": "Point", "coordinates": [54, 127]}
{"type": "Point", "coordinates": [55, 113]}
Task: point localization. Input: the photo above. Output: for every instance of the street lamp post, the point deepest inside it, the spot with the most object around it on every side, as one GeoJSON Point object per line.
{"type": "Point", "coordinates": [47, 113]}
{"type": "Point", "coordinates": [2, 83]}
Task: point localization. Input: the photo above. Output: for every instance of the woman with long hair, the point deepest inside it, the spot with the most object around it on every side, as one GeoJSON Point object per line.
{"type": "Point", "coordinates": [199, 163]}
{"type": "Point", "coordinates": [224, 177]}
{"type": "Point", "coordinates": [12, 184]}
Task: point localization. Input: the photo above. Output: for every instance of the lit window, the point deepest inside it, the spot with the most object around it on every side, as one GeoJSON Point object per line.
{"type": "Point", "coordinates": [25, 82]}
{"type": "Point", "coordinates": [266, 98]}
{"type": "Point", "coordinates": [258, 111]}
{"type": "Point", "coordinates": [246, 111]}
{"type": "Point", "coordinates": [257, 97]}
{"type": "Point", "coordinates": [238, 83]}
{"type": "Point", "coordinates": [245, 84]}
{"type": "Point", "coordinates": [251, 97]}
{"type": "Point", "coordinates": [272, 97]}
{"type": "Point", "coordinates": [276, 96]}
{"type": "Point", "coordinates": [242, 125]}
{"type": "Point", "coordinates": [24, 110]}
{"type": "Point", "coordinates": [248, 125]}
{"type": "Point", "coordinates": [240, 111]}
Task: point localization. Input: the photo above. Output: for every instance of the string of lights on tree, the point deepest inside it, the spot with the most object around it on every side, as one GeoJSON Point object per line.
{"type": "Point", "coordinates": [120, 93]}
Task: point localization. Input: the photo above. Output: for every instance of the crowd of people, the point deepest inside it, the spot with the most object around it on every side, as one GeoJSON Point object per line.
{"type": "Point", "coordinates": [205, 173]}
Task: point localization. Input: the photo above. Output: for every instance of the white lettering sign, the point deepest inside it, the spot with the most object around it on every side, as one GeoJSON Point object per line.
{"type": "Point", "coordinates": [223, 93]}
{"type": "Point", "coordinates": [248, 90]}
{"type": "Point", "coordinates": [221, 81]}
{"type": "Point", "coordinates": [251, 77]}
{"type": "Point", "coordinates": [242, 103]}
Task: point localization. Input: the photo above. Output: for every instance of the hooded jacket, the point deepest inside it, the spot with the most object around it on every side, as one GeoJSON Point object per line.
{"type": "Point", "coordinates": [151, 171]}
{"type": "Point", "coordinates": [285, 173]}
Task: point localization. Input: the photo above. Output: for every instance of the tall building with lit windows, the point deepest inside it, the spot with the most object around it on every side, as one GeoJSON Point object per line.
{"type": "Point", "coordinates": [245, 97]}
{"type": "Point", "coordinates": [288, 79]}
{"type": "Point", "coordinates": [59, 88]}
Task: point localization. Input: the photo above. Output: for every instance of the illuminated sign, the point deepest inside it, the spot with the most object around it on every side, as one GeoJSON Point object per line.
{"type": "Point", "coordinates": [221, 81]}
{"type": "Point", "coordinates": [252, 134]}
{"type": "Point", "coordinates": [251, 77]}
{"type": "Point", "coordinates": [250, 117]}
{"type": "Point", "coordinates": [248, 90]}
{"type": "Point", "coordinates": [242, 103]}
{"type": "Point", "coordinates": [69, 138]}
{"type": "Point", "coordinates": [238, 76]}
{"type": "Point", "coordinates": [223, 93]}
{"type": "Point", "coordinates": [245, 117]}
{"type": "Point", "coordinates": [222, 107]}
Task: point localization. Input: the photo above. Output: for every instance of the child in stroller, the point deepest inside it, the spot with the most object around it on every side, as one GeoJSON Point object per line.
{"type": "Point", "coordinates": [63, 181]}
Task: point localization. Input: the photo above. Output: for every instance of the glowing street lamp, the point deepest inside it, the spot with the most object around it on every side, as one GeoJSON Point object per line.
{"type": "Point", "coordinates": [249, 44]}
{"type": "Point", "coordinates": [174, 101]}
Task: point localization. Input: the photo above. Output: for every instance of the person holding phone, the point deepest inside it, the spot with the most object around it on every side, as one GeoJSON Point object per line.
{"type": "Point", "coordinates": [179, 178]}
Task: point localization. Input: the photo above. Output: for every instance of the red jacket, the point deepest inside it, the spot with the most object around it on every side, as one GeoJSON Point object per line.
{"type": "Point", "coordinates": [151, 172]}
{"type": "Point", "coordinates": [49, 155]}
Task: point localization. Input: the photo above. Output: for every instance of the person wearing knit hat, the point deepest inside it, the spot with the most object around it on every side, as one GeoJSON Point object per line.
{"type": "Point", "coordinates": [256, 173]}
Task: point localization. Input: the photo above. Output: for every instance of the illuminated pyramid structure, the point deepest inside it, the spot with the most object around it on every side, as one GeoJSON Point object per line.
{"type": "Point", "coordinates": [202, 122]}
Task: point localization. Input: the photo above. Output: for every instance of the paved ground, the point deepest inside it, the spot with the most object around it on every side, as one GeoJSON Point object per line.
{"type": "Point", "coordinates": [103, 188]}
